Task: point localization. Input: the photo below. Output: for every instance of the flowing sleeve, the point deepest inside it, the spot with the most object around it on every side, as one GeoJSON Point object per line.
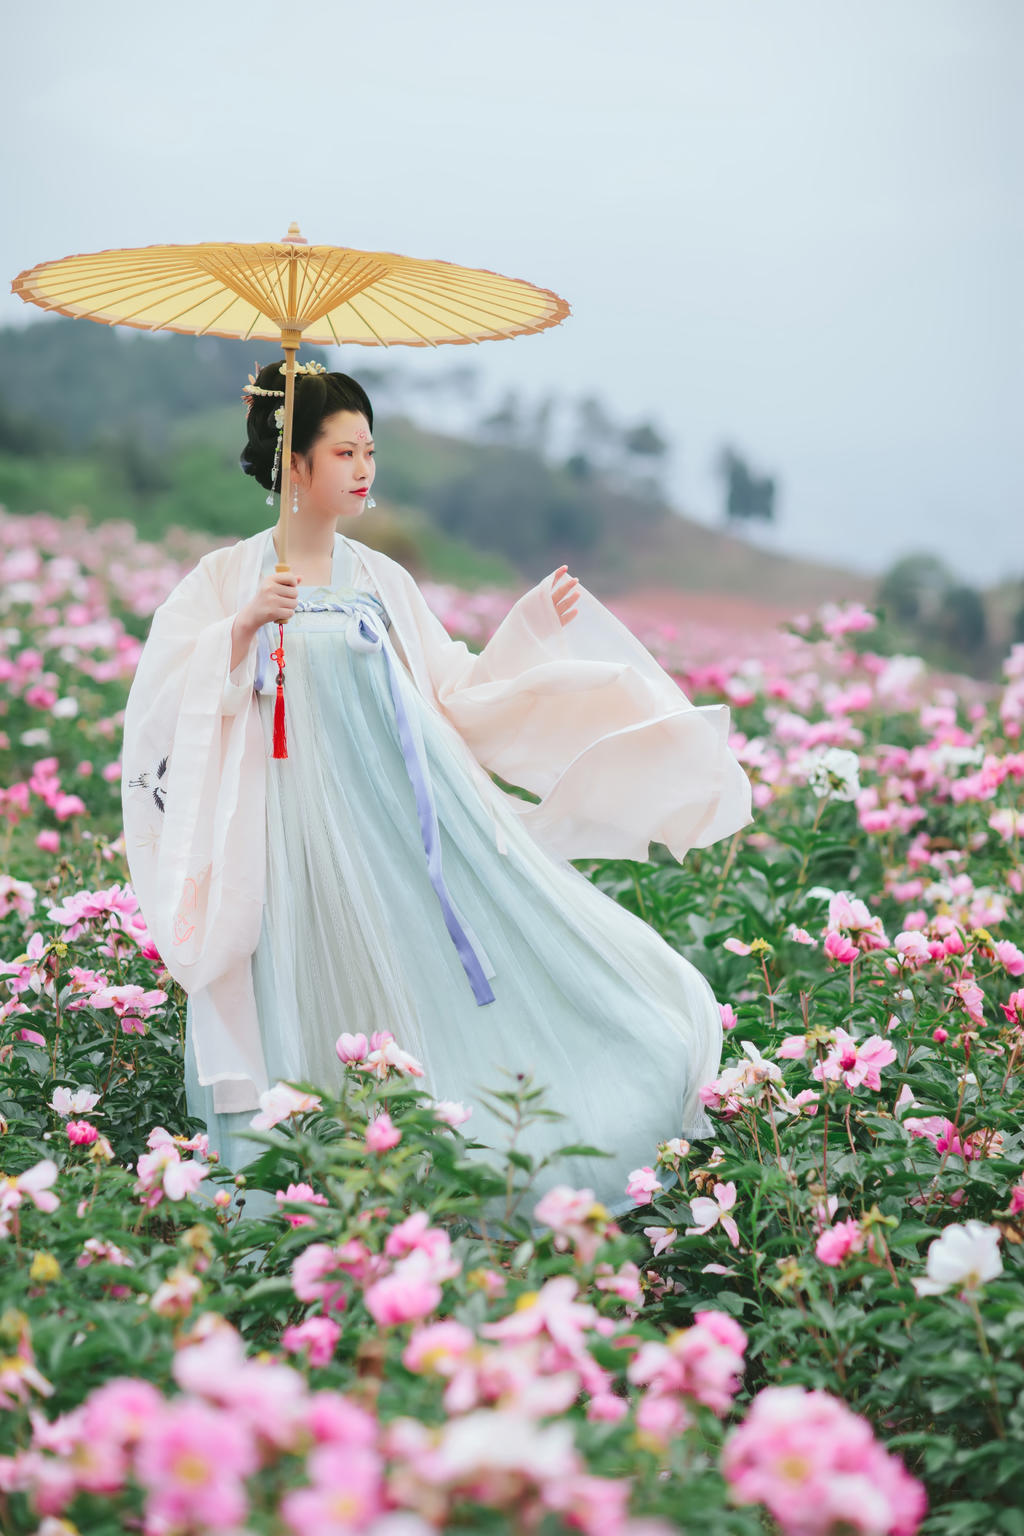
{"type": "Point", "coordinates": [582, 716]}
{"type": "Point", "coordinates": [192, 787]}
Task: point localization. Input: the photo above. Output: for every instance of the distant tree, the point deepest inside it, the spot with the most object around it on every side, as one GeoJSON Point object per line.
{"type": "Point", "coordinates": [747, 496]}
{"type": "Point", "coordinates": [961, 622]}
{"type": "Point", "coordinates": [541, 423]}
{"type": "Point", "coordinates": [88, 378]}
{"type": "Point", "coordinates": [504, 425]}
{"type": "Point", "coordinates": [596, 435]}
{"type": "Point", "coordinates": [648, 450]}
{"type": "Point", "coordinates": [1018, 622]}
{"type": "Point", "coordinates": [27, 436]}
{"type": "Point", "coordinates": [921, 595]}
{"type": "Point", "coordinates": [914, 589]}
{"type": "Point", "coordinates": [579, 467]}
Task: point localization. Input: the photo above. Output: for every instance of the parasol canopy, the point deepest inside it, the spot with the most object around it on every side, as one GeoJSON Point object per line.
{"type": "Point", "coordinates": [290, 291]}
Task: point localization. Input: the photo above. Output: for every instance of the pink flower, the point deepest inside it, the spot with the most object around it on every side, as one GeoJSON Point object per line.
{"type": "Point", "coordinates": [913, 948]}
{"type": "Point", "coordinates": [317, 1275]}
{"type": "Point", "coordinates": [281, 1102]}
{"type": "Point", "coordinates": [415, 1235]}
{"type": "Point", "coordinates": [1013, 1008]}
{"type": "Point", "coordinates": [708, 1213]}
{"type": "Point", "coordinates": [174, 1297]}
{"type": "Point", "coordinates": [737, 946]}
{"type": "Point", "coordinates": [78, 1103]}
{"type": "Point", "coordinates": [970, 997]}
{"type": "Point", "coordinates": [451, 1111]}
{"type": "Point", "coordinates": [346, 1492]}
{"type": "Point", "coordinates": [839, 948]}
{"type": "Point", "coordinates": [729, 1019]}
{"type": "Point", "coordinates": [164, 1172]}
{"type": "Point", "coordinates": [407, 1294]}
{"type": "Point", "coordinates": [438, 1348]}
{"type": "Point", "coordinates": [792, 1048]}
{"type": "Point", "coordinates": [352, 1048]}
{"type": "Point", "coordinates": [835, 1243]}
{"type": "Point", "coordinates": [317, 1335]}
{"type": "Point", "coordinates": [192, 1460]}
{"type": "Point", "coordinates": [606, 1408]}
{"type": "Point", "coordinates": [120, 1410]}
{"type": "Point", "coordinates": [704, 1362]}
{"type": "Point", "coordinates": [48, 841]}
{"type": "Point", "coordinates": [131, 1004]}
{"type": "Point", "coordinates": [35, 1182]}
{"type": "Point", "coordinates": [661, 1417]}
{"type": "Point", "coordinates": [81, 1133]}
{"type": "Point", "coordinates": [68, 805]}
{"type": "Point", "coordinates": [575, 1217]}
{"type": "Point", "coordinates": [381, 1134]}
{"type": "Point", "coordinates": [945, 1137]}
{"type": "Point", "coordinates": [1010, 957]}
{"type": "Point", "coordinates": [811, 1461]}
{"type": "Point", "coordinates": [642, 1185]}
{"type": "Point", "coordinates": [851, 914]}
{"type": "Point", "coordinates": [856, 1062]}
{"type": "Point", "coordinates": [553, 1310]}
{"type": "Point", "coordinates": [386, 1056]}
{"type": "Point", "coordinates": [294, 1192]}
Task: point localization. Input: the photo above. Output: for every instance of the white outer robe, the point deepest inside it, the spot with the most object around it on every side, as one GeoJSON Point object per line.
{"type": "Point", "coordinates": [580, 715]}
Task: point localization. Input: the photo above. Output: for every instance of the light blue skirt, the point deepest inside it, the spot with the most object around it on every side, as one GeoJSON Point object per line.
{"type": "Point", "coordinates": [617, 1027]}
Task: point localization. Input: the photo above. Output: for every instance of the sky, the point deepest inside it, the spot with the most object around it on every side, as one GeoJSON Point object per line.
{"type": "Point", "coordinates": [793, 226]}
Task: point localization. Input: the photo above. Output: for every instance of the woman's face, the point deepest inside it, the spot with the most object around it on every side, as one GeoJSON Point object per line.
{"type": "Point", "coordinates": [342, 467]}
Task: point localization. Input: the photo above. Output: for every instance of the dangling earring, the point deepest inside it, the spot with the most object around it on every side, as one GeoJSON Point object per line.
{"type": "Point", "coordinates": [370, 502]}
{"type": "Point", "coordinates": [295, 499]}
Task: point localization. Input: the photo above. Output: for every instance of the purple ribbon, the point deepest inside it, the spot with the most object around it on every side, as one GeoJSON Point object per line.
{"type": "Point", "coordinates": [366, 633]}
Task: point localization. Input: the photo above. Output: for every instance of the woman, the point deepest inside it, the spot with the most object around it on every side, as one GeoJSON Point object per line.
{"type": "Point", "coordinates": [376, 878]}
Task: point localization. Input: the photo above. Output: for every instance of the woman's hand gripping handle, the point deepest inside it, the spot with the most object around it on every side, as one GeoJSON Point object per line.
{"type": "Point", "coordinates": [274, 603]}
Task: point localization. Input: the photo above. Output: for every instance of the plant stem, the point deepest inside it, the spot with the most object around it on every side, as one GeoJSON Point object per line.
{"type": "Point", "coordinates": [997, 1412]}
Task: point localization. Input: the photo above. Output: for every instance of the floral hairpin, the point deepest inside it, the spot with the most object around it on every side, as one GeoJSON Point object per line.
{"type": "Point", "coordinates": [311, 367]}
{"type": "Point", "coordinates": [252, 389]}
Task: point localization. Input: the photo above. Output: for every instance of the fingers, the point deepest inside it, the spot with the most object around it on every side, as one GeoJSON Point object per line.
{"type": "Point", "coordinates": [565, 594]}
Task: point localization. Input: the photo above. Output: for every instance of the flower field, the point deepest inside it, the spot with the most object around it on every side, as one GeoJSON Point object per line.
{"type": "Point", "coordinates": [809, 1323]}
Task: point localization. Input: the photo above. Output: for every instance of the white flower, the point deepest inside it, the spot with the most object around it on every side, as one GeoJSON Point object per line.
{"type": "Point", "coordinates": [65, 709]}
{"type": "Point", "coordinates": [37, 737]}
{"type": "Point", "coordinates": [965, 1256]}
{"type": "Point", "coordinates": [833, 772]}
{"type": "Point", "coordinates": [78, 1103]}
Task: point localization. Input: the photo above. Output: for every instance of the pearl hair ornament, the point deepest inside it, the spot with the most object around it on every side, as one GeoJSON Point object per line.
{"type": "Point", "coordinates": [249, 393]}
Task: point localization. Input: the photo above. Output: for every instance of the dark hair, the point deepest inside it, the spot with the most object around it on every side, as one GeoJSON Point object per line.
{"type": "Point", "coordinates": [317, 396]}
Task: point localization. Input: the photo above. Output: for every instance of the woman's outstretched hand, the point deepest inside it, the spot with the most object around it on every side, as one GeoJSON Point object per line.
{"type": "Point", "coordinates": [565, 595]}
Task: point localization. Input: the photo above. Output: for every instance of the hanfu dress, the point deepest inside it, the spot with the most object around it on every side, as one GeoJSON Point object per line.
{"type": "Point", "coordinates": [400, 897]}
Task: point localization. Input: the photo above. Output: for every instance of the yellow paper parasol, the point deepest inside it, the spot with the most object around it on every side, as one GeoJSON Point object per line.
{"type": "Point", "coordinates": [291, 291]}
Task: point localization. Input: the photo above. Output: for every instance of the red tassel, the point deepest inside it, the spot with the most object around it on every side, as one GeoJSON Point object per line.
{"type": "Point", "coordinates": [280, 737]}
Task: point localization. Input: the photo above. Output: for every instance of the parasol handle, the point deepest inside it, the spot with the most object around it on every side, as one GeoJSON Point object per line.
{"type": "Point", "coordinates": [290, 341]}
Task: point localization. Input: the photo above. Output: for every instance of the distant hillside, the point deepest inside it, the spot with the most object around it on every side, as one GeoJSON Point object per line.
{"type": "Point", "coordinates": [691, 557]}
{"type": "Point", "coordinates": [149, 428]}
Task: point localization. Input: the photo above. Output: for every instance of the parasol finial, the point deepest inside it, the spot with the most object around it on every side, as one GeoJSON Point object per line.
{"type": "Point", "coordinates": [294, 236]}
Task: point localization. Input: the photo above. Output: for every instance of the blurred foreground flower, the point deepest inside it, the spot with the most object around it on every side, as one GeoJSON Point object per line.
{"type": "Point", "coordinates": [964, 1256]}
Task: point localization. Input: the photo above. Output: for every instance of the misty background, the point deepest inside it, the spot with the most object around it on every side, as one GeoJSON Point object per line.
{"type": "Point", "coordinates": [790, 231]}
